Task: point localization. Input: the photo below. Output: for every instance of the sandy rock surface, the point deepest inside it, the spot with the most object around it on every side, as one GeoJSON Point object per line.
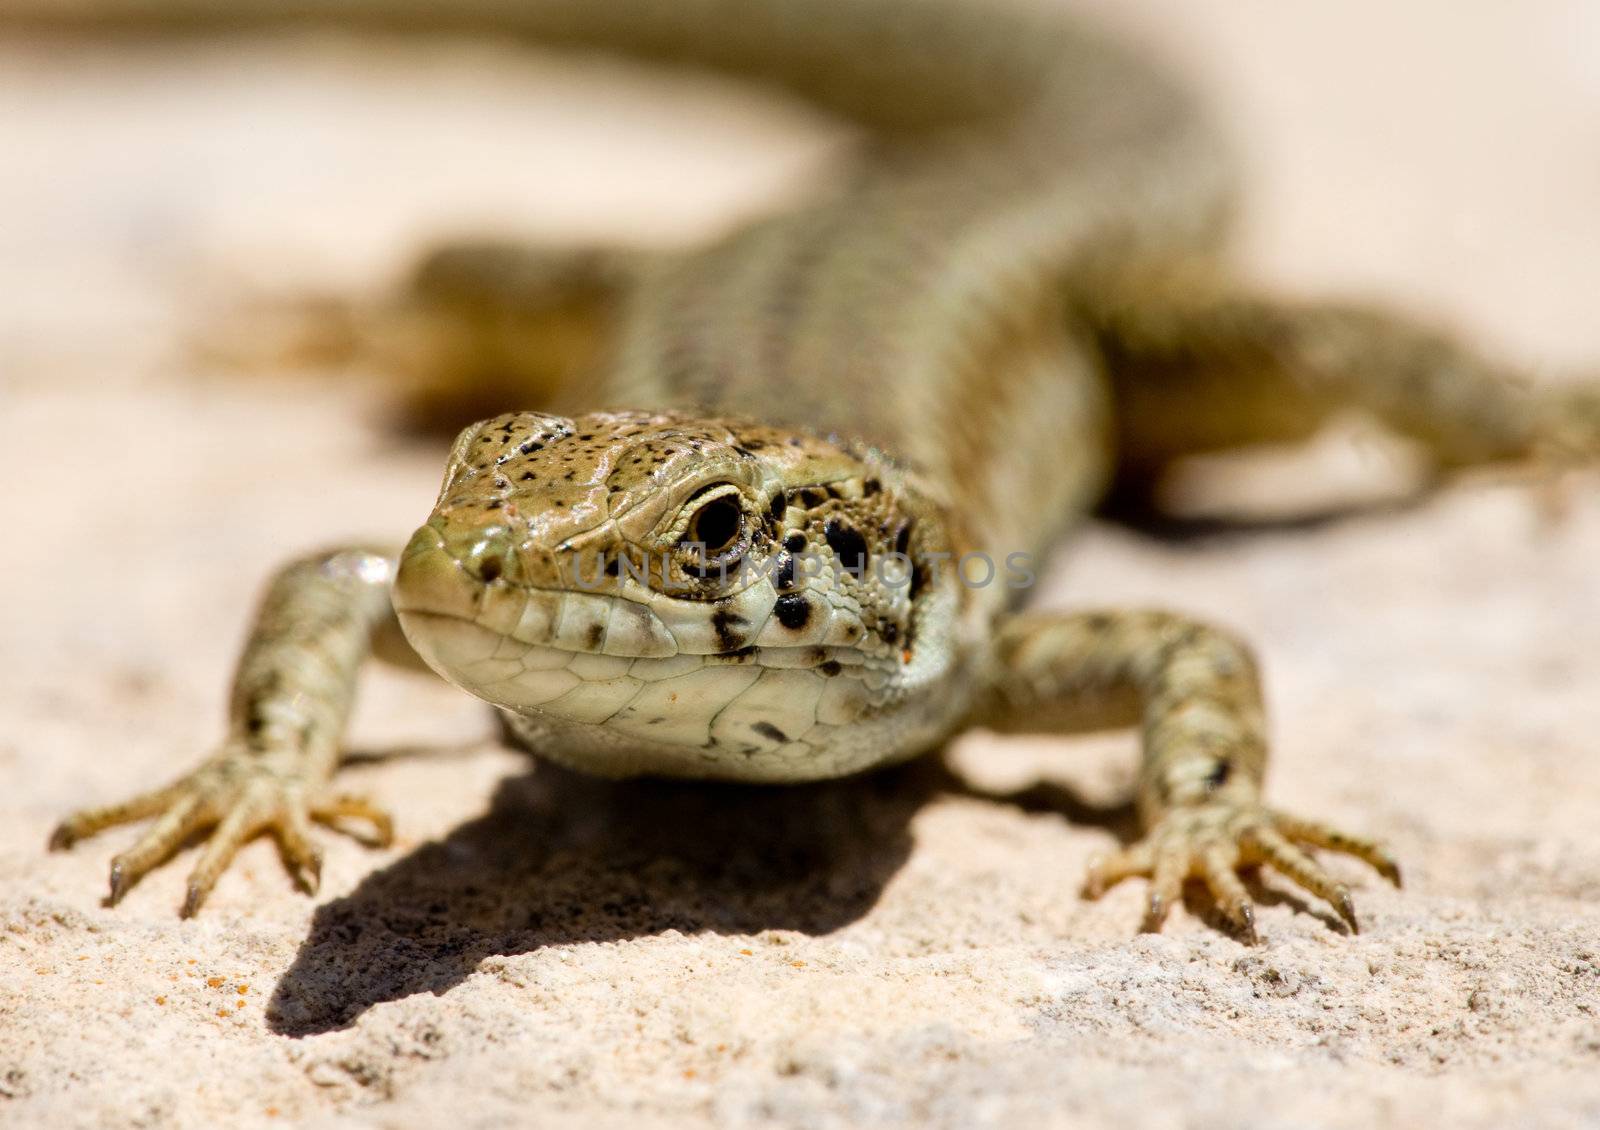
{"type": "Point", "coordinates": [904, 949]}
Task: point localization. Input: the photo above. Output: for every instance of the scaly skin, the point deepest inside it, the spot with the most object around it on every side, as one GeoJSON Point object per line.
{"type": "Point", "coordinates": [1016, 295]}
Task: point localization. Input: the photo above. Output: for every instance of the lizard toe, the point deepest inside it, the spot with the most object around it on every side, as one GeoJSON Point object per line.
{"type": "Point", "coordinates": [333, 812]}
{"type": "Point", "coordinates": [1213, 841]}
{"type": "Point", "coordinates": [235, 796]}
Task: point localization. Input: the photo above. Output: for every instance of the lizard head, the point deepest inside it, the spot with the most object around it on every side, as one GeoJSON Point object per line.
{"type": "Point", "coordinates": [661, 592]}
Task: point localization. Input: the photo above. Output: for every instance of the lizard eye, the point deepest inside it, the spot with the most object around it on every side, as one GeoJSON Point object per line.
{"type": "Point", "coordinates": [718, 526]}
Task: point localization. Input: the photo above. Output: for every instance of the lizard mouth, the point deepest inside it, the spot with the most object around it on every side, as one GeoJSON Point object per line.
{"type": "Point", "coordinates": [661, 670]}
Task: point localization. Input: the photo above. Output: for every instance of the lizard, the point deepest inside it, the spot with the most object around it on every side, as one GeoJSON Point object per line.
{"type": "Point", "coordinates": [728, 538]}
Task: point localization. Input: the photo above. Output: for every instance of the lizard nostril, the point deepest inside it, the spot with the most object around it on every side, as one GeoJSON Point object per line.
{"type": "Point", "coordinates": [489, 567]}
{"type": "Point", "coordinates": [484, 559]}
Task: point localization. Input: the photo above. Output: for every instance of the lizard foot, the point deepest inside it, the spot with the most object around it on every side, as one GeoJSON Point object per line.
{"type": "Point", "coordinates": [238, 794]}
{"type": "Point", "coordinates": [1211, 841]}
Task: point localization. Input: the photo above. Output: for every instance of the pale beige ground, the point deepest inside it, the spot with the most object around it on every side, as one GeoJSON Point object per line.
{"type": "Point", "coordinates": [883, 952]}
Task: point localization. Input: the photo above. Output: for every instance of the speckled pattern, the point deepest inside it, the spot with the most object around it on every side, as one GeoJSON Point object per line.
{"type": "Point", "coordinates": [564, 578]}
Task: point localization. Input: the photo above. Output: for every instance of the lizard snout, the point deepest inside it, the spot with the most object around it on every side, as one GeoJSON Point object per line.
{"type": "Point", "coordinates": [485, 555]}
{"type": "Point", "coordinates": [446, 571]}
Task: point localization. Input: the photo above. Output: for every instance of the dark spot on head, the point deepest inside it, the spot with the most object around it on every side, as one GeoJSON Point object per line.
{"type": "Point", "coordinates": [871, 487]}
{"type": "Point", "coordinates": [530, 447]}
{"type": "Point", "coordinates": [595, 634]}
{"type": "Point", "coordinates": [1219, 773]}
{"type": "Point", "coordinates": [725, 622]}
{"type": "Point", "coordinates": [890, 632]}
{"type": "Point", "coordinates": [795, 542]}
{"type": "Point", "coordinates": [528, 476]}
{"type": "Point", "coordinates": [902, 540]}
{"type": "Point", "coordinates": [831, 668]}
{"type": "Point", "coordinates": [778, 507]}
{"type": "Point", "coordinates": [783, 575]}
{"type": "Point", "coordinates": [496, 504]}
{"type": "Point", "coordinates": [768, 730]}
{"type": "Point", "coordinates": [613, 566]}
{"type": "Point", "coordinates": [848, 545]}
{"type": "Point", "coordinates": [793, 611]}
{"type": "Point", "coordinates": [810, 498]}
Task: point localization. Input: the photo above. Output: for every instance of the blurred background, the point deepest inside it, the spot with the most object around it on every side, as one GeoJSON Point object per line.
{"type": "Point", "coordinates": [1445, 154]}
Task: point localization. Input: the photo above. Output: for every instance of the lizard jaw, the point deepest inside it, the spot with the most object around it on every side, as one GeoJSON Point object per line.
{"type": "Point", "coordinates": [605, 676]}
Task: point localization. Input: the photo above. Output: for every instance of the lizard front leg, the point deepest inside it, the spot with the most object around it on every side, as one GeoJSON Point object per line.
{"type": "Point", "coordinates": [292, 694]}
{"type": "Point", "coordinates": [1194, 692]}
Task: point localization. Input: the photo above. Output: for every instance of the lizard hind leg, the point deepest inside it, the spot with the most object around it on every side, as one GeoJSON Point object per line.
{"type": "Point", "coordinates": [474, 329]}
{"type": "Point", "coordinates": [1202, 363]}
{"type": "Point", "coordinates": [485, 327]}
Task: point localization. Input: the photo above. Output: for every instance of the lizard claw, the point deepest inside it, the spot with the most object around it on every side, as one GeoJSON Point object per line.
{"type": "Point", "coordinates": [1213, 840]}
{"type": "Point", "coordinates": [237, 795]}
{"type": "Point", "coordinates": [119, 884]}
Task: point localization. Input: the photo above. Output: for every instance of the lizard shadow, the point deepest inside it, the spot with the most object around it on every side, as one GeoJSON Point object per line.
{"type": "Point", "coordinates": [560, 858]}
{"type": "Point", "coordinates": [1211, 532]}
